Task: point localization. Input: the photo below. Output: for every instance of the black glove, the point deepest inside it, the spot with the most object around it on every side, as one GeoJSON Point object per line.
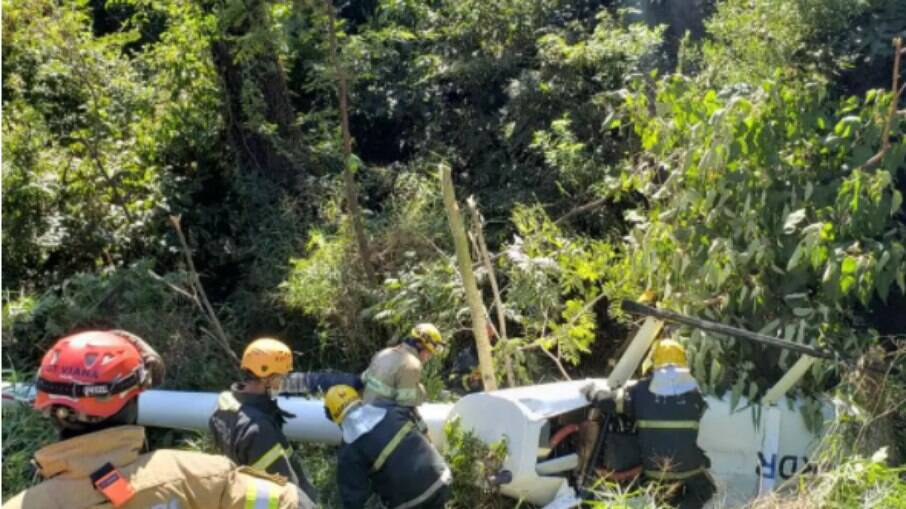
{"type": "Point", "coordinates": [596, 392]}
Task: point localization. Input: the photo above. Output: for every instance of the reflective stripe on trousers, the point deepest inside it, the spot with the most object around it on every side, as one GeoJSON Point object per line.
{"type": "Point", "coordinates": [665, 475]}
{"type": "Point", "coordinates": [649, 424]}
{"type": "Point", "coordinates": [260, 494]}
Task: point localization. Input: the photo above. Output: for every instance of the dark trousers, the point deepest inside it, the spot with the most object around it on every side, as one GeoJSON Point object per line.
{"type": "Point", "coordinates": [438, 500]}
{"type": "Point", "coordinates": [692, 493]}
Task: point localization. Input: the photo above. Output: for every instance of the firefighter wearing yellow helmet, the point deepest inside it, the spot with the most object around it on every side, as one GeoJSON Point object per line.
{"type": "Point", "coordinates": [394, 375]}
{"type": "Point", "coordinates": [248, 424]}
{"type": "Point", "coordinates": [382, 452]}
{"type": "Point", "coordinates": [667, 407]}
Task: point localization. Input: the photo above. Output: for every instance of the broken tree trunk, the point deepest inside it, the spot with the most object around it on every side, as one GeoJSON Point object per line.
{"type": "Point", "coordinates": [485, 257]}
{"type": "Point", "coordinates": [476, 307]}
{"type": "Point", "coordinates": [352, 195]}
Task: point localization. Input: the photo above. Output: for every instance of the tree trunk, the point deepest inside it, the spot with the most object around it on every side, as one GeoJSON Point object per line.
{"type": "Point", "coordinates": [352, 195]}
{"type": "Point", "coordinates": [476, 307]}
{"type": "Point", "coordinates": [280, 156]}
{"type": "Point", "coordinates": [485, 256]}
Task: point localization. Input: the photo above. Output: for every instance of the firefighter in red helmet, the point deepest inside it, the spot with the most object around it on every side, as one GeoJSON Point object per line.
{"type": "Point", "coordinates": [88, 384]}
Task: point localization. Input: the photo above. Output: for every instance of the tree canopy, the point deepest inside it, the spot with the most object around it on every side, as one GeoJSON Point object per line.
{"type": "Point", "coordinates": [739, 160]}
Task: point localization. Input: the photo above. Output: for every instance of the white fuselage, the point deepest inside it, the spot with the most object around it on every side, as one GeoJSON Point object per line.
{"type": "Point", "coordinates": [747, 453]}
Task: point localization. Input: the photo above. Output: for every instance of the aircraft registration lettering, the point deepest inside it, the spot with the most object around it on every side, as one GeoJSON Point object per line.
{"type": "Point", "coordinates": [787, 467]}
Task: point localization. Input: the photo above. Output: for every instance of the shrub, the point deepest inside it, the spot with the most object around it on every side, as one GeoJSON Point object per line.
{"type": "Point", "coordinates": [472, 461]}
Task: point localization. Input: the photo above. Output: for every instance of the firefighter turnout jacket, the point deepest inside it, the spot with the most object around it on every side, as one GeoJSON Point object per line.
{"type": "Point", "coordinates": [667, 409]}
{"type": "Point", "coordinates": [394, 377]}
{"type": "Point", "coordinates": [248, 429]}
{"type": "Point", "coordinates": [163, 479]}
{"type": "Point", "coordinates": [382, 451]}
{"type": "Point", "coordinates": [667, 426]}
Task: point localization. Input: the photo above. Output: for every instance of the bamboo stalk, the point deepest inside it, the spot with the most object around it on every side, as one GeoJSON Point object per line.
{"type": "Point", "coordinates": [479, 326]}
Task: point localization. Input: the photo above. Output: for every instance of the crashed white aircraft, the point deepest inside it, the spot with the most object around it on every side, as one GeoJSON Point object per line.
{"type": "Point", "coordinates": [748, 456]}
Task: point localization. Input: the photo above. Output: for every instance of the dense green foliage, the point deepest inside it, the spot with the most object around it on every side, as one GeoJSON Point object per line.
{"type": "Point", "coordinates": [729, 171]}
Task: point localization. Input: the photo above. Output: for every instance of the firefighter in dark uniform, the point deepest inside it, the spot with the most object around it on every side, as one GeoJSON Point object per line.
{"type": "Point", "coordinates": [383, 452]}
{"type": "Point", "coordinates": [464, 376]}
{"type": "Point", "coordinates": [667, 408]}
{"type": "Point", "coordinates": [248, 424]}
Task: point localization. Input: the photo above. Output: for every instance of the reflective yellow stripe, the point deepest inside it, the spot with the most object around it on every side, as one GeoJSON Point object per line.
{"type": "Point", "coordinates": [272, 499]}
{"type": "Point", "coordinates": [663, 475]}
{"type": "Point", "coordinates": [391, 446]}
{"type": "Point", "coordinates": [267, 459]}
{"type": "Point", "coordinates": [667, 424]}
{"type": "Point", "coordinates": [260, 494]}
{"type": "Point", "coordinates": [620, 400]}
{"type": "Point", "coordinates": [371, 382]}
{"type": "Point", "coordinates": [251, 494]}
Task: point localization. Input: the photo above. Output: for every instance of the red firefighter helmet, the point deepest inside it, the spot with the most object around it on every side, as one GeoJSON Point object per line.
{"type": "Point", "coordinates": [93, 373]}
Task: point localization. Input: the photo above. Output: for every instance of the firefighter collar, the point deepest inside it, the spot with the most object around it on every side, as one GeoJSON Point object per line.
{"type": "Point", "coordinates": [360, 420]}
{"type": "Point", "coordinates": [80, 456]}
{"type": "Point", "coordinates": [405, 347]}
{"type": "Point", "coordinates": [263, 402]}
{"type": "Point", "coordinates": [672, 381]}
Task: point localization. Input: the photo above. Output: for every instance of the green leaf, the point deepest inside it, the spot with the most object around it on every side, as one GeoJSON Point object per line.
{"type": "Point", "coordinates": [795, 258]}
{"type": "Point", "coordinates": [586, 271]}
{"type": "Point", "coordinates": [699, 365]}
{"type": "Point", "coordinates": [771, 327]}
{"type": "Point", "coordinates": [793, 220]}
{"type": "Point", "coordinates": [849, 265]}
{"type": "Point", "coordinates": [844, 126]}
{"type": "Point", "coordinates": [803, 312]}
{"type": "Point", "coordinates": [736, 393]}
{"type": "Point", "coordinates": [353, 163]}
{"type": "Point", "coordinates": [846, 282]}
{"type": "Point", "coordinates": [716, 371]}
{"type": "Point", "coordinates": [753, 390]}
{"type": "Point", "coordinates": [896, 201]}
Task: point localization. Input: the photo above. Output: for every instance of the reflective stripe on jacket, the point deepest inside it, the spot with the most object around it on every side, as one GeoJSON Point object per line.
{"type": "Point", "coordinates": [394, 377]}
{"type": "Point", "coordinates": [160, 479]}
{"type": "Point", "coordinates": [248, 429]}
{"type": "Point", "coordinates": [394, 460]}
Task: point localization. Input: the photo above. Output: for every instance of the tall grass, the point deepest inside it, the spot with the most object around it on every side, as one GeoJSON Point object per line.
{"type": "Point", "coordinates": [24, 432]}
